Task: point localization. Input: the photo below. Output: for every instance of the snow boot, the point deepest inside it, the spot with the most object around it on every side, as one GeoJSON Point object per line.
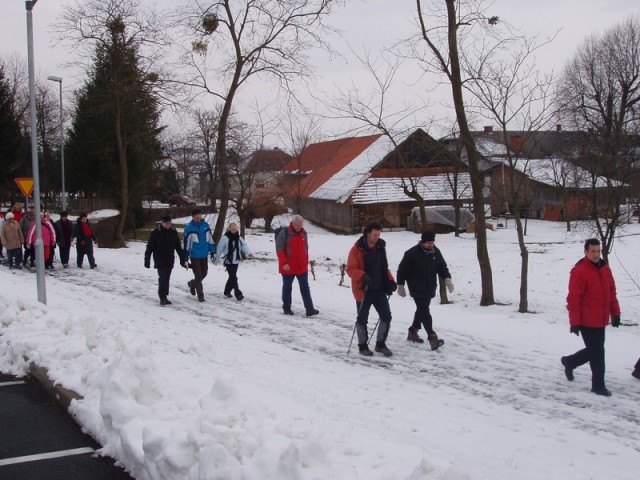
{"type": "Point", "coordinates": [312, 311]}
{"type": "Point", "coordinates": [287, 311]}
{"type": "Point", "coordinates": [412, 336]}
{"type": "Point", "coordinates": [568, 371]}
{"type": "Point", "coordinates": [192, 287]}
{"type": "Point", "coordinates": [604, 391]}
{"type": "Point", "coordinates": [382, 348]}
{"type": "Point", "coordinates": [364, 350]}
{"type": "Point", "coordinates": [434, 341]}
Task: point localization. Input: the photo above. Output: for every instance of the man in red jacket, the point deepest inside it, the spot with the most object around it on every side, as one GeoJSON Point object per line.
{"type": "Point", "coordinates": [292, 247]}
{"type": "Point", "coordinates": [591, 301]}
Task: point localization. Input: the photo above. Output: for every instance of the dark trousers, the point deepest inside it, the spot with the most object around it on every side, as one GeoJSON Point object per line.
{"type": "Point", "coordinates": [164, 275]}
{"type": "Point", "coordinates": [29, 254]}
{"type": "Point", "coordinates": [64, 253]}
{"type": "Point", "coordinates": [379, 301]}
{"type": "Point", "coordinates": [200, 268]}
{"type": "Point", "coordinates": [14, 256]}
{"type": "Point", "coordinates": [422, 315]}
{"type": "Point", "coordinates": [81, 251]}
{"type": "Point", "coordinates": [232, 281]}
{"type": "Point", "coordinates": [287, 286]}
{"type": "Point", "coordinates": [593, 353]}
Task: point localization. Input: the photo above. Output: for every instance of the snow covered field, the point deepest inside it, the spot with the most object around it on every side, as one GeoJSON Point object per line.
{"type": "Point", "coordinates": [238, 391]}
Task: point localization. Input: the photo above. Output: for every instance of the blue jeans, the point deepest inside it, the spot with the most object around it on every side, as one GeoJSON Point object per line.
{"type": "Point", "coordinates": [380, 302]}
{"type": "Point", "coordinates": [303, 283]}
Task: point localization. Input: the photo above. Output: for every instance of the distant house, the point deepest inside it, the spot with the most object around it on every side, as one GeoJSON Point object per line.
{"type": "Point", "coordinates": [547, 172]}
{"type": "Point", "coordinates": [266, 166]}
{"type": "Point", "coordinates": [344, 184]}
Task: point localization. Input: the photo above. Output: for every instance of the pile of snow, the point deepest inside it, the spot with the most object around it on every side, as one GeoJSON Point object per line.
{"type": "Point", "coordinates": [237, 390]}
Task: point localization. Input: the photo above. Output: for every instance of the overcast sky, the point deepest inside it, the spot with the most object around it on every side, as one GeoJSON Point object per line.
{"type": "Point", "coordinates": [369, 24]}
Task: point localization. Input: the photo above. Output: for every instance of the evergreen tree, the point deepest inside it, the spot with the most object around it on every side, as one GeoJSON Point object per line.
{"type": "Point", "coordinates": [114, 137]}
{"type": "Point", "coordinates": [13, 145]}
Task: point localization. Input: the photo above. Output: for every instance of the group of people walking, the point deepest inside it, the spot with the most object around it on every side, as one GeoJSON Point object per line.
{"type": "Point", "coordinates": [18, 236]}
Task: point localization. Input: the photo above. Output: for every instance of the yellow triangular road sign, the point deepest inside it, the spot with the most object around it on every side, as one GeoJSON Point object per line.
{"type": "Point", "coordinates": [25, 185]}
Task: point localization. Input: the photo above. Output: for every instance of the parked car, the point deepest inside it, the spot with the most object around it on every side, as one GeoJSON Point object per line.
{"type": "Point", "coordinates": [180, 200]}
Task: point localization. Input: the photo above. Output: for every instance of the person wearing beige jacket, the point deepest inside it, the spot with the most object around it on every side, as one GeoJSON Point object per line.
{"type": "Point", "coordinates": [12, 239]}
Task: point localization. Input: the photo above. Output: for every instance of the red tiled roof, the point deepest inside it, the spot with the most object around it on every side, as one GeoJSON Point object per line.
{"type": "Point", "coordinates": [321, 161]}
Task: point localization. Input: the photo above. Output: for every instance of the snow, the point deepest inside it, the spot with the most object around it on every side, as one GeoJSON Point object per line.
{"type": "Point", "coordinates": [432, 188]}
{"type": "Point", "coordinates": [343, 183]}
{"type": "Point", "coordinates": [238, 391]}
{"type": "Point", "coordinates": [559, 172]}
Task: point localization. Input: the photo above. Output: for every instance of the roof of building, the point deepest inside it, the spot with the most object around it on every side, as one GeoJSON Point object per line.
{"type": "Point", "coordinates": [337, 166]}
{"type": "Point", "coordinates": [268, 160]}
{"type": "Point", "coordinates": [431, 188]}
{"type": "Point", "coordinates": [560, 173]}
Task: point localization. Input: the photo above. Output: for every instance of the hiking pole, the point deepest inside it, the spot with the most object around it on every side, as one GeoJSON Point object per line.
{"type": "Point", "coordinates": [374, 328]}
{"type": "Point", "coordinates": [356, 324]}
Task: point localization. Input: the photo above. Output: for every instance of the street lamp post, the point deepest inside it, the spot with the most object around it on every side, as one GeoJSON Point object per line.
{"type": "Point", "coordinates": [64, 192]}
{"type": "Point", "coordinates": [42, 292]}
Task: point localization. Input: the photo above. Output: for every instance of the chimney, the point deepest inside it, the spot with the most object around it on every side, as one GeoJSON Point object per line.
{"type": "Point", "coordinates": [516, 142]}
{"type": "Point", "coordinates": [488, 129]}
{"type": "Point", "coordinates": [558, 128]}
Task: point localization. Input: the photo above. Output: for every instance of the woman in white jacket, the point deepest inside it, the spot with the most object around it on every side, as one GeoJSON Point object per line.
{"type": "Point", "coordinates": [230, 250]}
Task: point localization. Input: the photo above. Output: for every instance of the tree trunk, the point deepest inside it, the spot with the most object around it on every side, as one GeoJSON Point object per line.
{"type": "Point", "coordinates": [124, 179]}
{"type": "Point", "coordinates": [477, 184]}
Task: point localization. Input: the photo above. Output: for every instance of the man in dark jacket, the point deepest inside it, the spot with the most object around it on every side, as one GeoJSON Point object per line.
{"type": "Point", "coordinates": [371, 283]}
{"type": "Point", "coordinates": [163, 241]}
{"type": "Point", "coordinates": [591, 301]}
{"type": "Point", "coordinates": [420, 267]}
{"type": "Point", "coordinates": [64, 236]}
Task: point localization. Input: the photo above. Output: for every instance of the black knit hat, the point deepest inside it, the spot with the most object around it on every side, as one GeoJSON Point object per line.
{"type": "Point", "coordinates": [428, 237]}
{"type": "Point", "coordinates": [166, 218]}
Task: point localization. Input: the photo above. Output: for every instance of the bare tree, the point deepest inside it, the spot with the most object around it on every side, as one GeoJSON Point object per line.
{"type": "Point", "coordinates": [601, 97]}
{"type": "Point", "coordinates": [515, 94]}
{"type": "Point", "coordinates": [205, 134]}
{"type": "Point", "coordinates": [443, 34]}
{"type": "Point", "coordinates": [236, 40]}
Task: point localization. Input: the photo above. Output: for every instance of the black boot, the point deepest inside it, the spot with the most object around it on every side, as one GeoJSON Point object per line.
{"type": "Point", "coordinates": [364, 350]}
{"type": "Point", "coordinates": [568, 371]}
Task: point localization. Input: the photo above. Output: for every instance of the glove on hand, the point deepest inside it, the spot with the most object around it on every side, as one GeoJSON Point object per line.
{"type": "Point", "coordinates": [186, 265]}
{"type": "Point", "coordinates": [365, 281]}
{"type": "Point", "coordinates": [615, 321]}
{"type": "Point", "coordinates": [401, 291]}
{"type": "Point", "coordinates": [392, 287]}
{"type": "Point", "coordinates": [213, 258]}
{"type": "Point", "coordinates": [449, 284]}
{"type": "Point", "coordinates": [575, 329]}
{"type": "Point", "coordinates": [147, 265]}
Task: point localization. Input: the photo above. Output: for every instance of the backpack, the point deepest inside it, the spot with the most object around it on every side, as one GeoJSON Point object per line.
{"type": "Point", "coordinates": [277, 231]}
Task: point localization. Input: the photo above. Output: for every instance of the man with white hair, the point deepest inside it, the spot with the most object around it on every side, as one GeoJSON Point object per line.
{"type": "Point", "coordinates": [292, 248]}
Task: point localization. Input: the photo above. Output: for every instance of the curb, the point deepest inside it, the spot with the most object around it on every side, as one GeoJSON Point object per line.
{"type": "Point", "coordinates": [62, 395]}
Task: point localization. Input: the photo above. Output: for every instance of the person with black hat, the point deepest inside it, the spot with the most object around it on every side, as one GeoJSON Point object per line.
{"type": "Point", "coordinates": [163, 241]}
{"type": "Point", "coordinates": [198, 244]}
{"type": "Point", "coordinates": [420, 267]}
{"type": "Point", "coordinates": [64, 237]}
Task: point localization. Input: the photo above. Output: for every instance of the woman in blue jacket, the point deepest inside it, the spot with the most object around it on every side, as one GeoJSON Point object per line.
{"type": "Point", "coordinates": [231, 248]}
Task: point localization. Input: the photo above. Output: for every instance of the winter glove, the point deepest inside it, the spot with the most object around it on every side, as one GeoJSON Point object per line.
{"type": "Point", "coordinates": [401, 291]}
{"type": "Point", "coordinates": [250, 256]}
{"type": "Point", "coordinates": [575, 329]}
{"type": "Point", "coordinates": [449, 284]}
{"type": "Point", "coordinates": [615, 321]}
{"type": "Point", "coordinates": [185, 264]}
{"type": "Point", "coordinates": [365, 281]}
{"type": "Point", "coordinates": [147, 265]}
{"type": "Point", "coordinates": [214, 257]}
{"type": "Point", "coordinates": [392, 287]}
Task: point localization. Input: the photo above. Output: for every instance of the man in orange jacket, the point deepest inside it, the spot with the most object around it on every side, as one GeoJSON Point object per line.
{"type": "Point", "coordinates": [591, 301]}
{"type": "Point", "coordinates": [372, 283]}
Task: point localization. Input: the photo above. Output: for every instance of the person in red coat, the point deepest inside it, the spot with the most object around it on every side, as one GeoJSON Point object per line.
{"type": "Point", "coordinates": [591, 302]}
{"type": "Point", "coordinates": [292, 248]}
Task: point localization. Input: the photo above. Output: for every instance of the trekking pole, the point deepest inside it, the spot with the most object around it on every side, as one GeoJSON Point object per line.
{"type": "Point", "coordinates": [374, 328]}
{"type": "Point", "coordinates": [356, 324]}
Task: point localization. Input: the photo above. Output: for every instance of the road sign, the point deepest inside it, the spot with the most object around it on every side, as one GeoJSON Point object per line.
{"type": "Point", "coordinates": [25, 185]}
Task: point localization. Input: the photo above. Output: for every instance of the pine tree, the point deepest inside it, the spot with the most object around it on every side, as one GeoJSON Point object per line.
{"type": "Point", "coordinates": [115, 132]}
{"type": "Point", "coordinates": [13, 144]}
